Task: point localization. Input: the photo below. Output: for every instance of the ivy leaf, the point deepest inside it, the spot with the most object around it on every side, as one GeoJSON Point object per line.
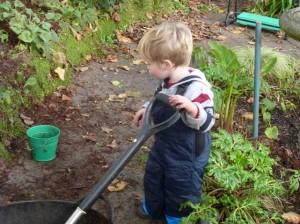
{"type": "Point", "coordinates": [5, 5]}
{"type": "Point", "coordinates": [267, 117]}
{"type": "Point", "coordinates": [272, 132]}
{"type": "Point", "coordinates": [16, 26]}
{"type": "Point", "coordinates": [26, 36]}
{"type": "Point", "coordinates": [45, 36]}
{"type": "Point", "coordinates": [31, 82]}
{"type": "Point", "coordinates": [50, 16]}
{"type": "Point", "coordinates": [46, 26]}
{"type": "Point", "coordinates": [19, 4]}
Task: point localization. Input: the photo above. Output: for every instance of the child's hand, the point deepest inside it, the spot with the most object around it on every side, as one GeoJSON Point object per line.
{"type": "Point", "coordinates": [139, 117]}
{"type": "Point", "coordinates": [181, 102]}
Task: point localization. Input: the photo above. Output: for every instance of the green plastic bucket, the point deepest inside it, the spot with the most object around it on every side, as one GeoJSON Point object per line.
{"type": "Point", "coordinates": [43, 140]}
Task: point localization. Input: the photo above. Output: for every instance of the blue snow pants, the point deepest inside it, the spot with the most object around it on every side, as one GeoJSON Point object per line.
{"type": "Point", "coordinates": [174, 171]}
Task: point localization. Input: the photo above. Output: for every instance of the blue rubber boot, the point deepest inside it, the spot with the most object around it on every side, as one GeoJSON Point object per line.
{"type": "Point", "coordinates": [173, 220]}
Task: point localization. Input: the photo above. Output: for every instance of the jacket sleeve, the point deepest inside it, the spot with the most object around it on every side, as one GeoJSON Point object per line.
{"type": "Point", "coordinates": [202, 97]}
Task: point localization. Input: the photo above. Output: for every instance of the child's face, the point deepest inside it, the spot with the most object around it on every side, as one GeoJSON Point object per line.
{"type": "Point", "coordinates": [160, 71]}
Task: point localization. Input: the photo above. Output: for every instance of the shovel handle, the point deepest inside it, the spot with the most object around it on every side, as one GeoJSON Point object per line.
{"type": "Point", "coordinates": [148, 129]}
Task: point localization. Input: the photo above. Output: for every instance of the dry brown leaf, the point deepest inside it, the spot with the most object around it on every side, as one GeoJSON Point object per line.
{"type": "Point", "coordinates": [66, 98]}
{"type": "Point", "coordinates": [221, 37]}
{"type": "Point", "coordinates": [117, 186]}
{"type": "Point", "coordinates": [122, 96]}
{"type": "Point", "coordinates": [248, 115]}
{"type": "Point", "coordinates": [138, 62]}
{"type": "Point", "coordinates": [116, 17]}
{"type": "Point", "coordinates": [113, 144]}
{"type": "Point", "coordinates": [88, 57]}
{"type": "Point", "coordinates": [115, 98]}
{"type": "Point", "coordinates": [291, 217]}
{"type": "Point", "coordinates": [250, 100]}
{"type": "Point", "coordinates": [60, 72]}
{"type": "Point", "coordinates": [133, 93]}
{"type": "Point", "coordinates": [238, 30]}
{"type": "Point", "coordinates": [59, 57]}
{"type": "Point", "coordinates": [90, 136]}
{"type": "Point", "coordinates": [149, 15]}
{"type": "Point", "coordinates": [27, 120]}
{"type": "Point", "coordinates": [78, 36]}
{"type": "Point", "coordinates": [217, 116]}
{"type": "Point", "coordinates": [82, 69]}
{"type": "Point", "coordinates": [112, 58]}
{"type": "Point", "coordinates": [123, 39]}
{"type": "Point", "coordinates": [124, 67]}
{"type": "Point", "coordinates": [107, 130]}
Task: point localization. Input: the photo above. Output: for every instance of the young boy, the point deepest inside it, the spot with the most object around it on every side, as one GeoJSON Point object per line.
{"type": "Point", "coordinates": [174, 171]}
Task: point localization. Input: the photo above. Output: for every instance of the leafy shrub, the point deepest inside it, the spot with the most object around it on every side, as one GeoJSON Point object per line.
{"type": "Point", "coordinates": [274, 7]}
{"type": "Point", "coordinates": [239, 186]}
{"type": "Point", "coordinates": [27, 25]}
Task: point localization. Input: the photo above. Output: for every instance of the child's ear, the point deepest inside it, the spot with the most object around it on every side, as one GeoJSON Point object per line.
{"type": "Point", "coordinates": [167, 64]}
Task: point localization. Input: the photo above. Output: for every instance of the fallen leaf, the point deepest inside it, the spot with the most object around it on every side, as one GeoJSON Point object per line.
{"type": "Point", "coordinates": [114, 98]}
{"type": "Point", "coordinates": [27, 120]}
{"type": "Point", "coordinates": [112, 58]}
{"type": "Point", "coordinates": [250, 100]}
{"type": "Point", "coordinates": [113, 144]}
{"type": "Point", "coordinates": [122, 96]}
{"type": "Point", "coordinates": [59, 57]}
{"type": "Point", "coordinates": [142, 71]}
{"type": "Point", "coordinates": [238, 30]}
{"type": "Point", "coordinates": [123, 39]}
{"type": "Point", "coordinates": [60, 72]}
{"type": "Point", "coordinates": [149, 15]}
{"type": "Point", "coordinates": [124, 67]}
{"type": "Point", "coordinates": [82, 69]}
{"type": "Point", "coordinates": [117, 186]}
{"type": "Point", "coordinates": [248, 115]}
{"type": "Point", "coordinates": [66, 98]}
{"type": "Point", "coordinates": [217, 116]}
{"type": "Point", "coordinates": [291, 217]}
{"type": "Point", "coordinates": [106, 130]}
{"type": "Point", "coordinates": [116, 83]}
{"type": "Point", "coordinates": [138, 62]}
{"type": "Point", "coordinates": [221, 37]}
{"type": "Point", "coordinates": [133, 93]}
{"type": "Point", "coordinates": [85, 115]}
{"type": "Point", "coordinates": [90, 136]}
{"type": "Point", "coordinates": [116, 17]}
{"type": "Point", "coordinates": [88, 57]}
{"type": "Point", "coordinates": [78, 36]}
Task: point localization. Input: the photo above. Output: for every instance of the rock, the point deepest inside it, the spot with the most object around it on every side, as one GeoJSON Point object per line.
{"type": "Point", "coordinates": [289, 23]}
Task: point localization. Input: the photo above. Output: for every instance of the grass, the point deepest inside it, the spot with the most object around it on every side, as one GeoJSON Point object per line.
{"type": "Point", "coordinates": [11, 125]}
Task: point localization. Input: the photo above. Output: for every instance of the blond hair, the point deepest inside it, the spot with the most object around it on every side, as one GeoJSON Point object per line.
{"type": "Point", "coordinates": [168, 41]}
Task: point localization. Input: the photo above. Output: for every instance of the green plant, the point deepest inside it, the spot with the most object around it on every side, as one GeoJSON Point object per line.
{"type": "Point", "coordinates": [294, 181]}
{"type": "Point", "coordinates": [27, 25]}
{"type": "Point", "coordinates": [267, 106]}
{"type": "Point", "coordinates": [224, 70]}
{"type": "Point", "coordinates": [101, 4]}
{"type": "Point", "coordinates": [279, 72]}
{"type": "Point", "coordinates": [3, 36]}
{"type": "Point", "coordinates": [239, 185]}
{"type": "Point", "coordinates": [273, 7]}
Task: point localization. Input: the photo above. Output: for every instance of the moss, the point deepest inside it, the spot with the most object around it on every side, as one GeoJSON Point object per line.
{"type": "Point", "coordinates": [3, 153]}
